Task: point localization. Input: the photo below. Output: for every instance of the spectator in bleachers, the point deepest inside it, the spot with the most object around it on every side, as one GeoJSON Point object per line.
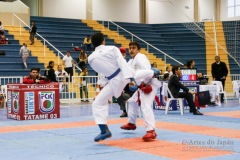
{"type": "Point", "coordinates": [35, 77]}
{"type": "Point", "coordinates": [50, 72]}
{"type": "Point", "coordinates": [185, 66]}
{"type": "Point", "coordinates": [191, 64]}
{"type": "Point", "coordinates": [166, 76]}
{"type": "Point", "coordinates": [82, 59]}
{"type": "Point", "coordinates": [157, 72]}
{"type": "Point", "coordinates": [168, 70]}
{"type": "Point", "coordinates": [32, 32]}
{"type": "Point", "coordinates": [3, 39]}
{"type": "Point", "coordinates": [68, 64]}
{"type": "Point", "coordinates": [61, 72]}
{"type": "Point", "coordinates": [83, 84]}
{"type": "Point", "coordinates": [24, 53]}
{"type": "Point", "coordinates": [1, 28]}
{"type": "Point", "coordinates": [61, 78]}
{"type": "Point", "coordinates": [87, 43]}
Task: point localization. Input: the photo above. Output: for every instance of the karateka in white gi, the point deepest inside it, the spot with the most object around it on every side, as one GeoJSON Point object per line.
{"type": "Point", "coordinates": [145, 95]}
{"type": "Point", "coordinates": [108, 60]}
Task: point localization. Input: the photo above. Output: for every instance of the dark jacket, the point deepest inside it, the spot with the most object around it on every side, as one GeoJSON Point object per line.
{"type": "Point", "coordinates": [33, 29]}
{"type": "Point", "coordinates": [174, 85]}
{"type": "Point", "coordinates": [50, 74]}
{"type": "Point", "coordinates": [219, 70]}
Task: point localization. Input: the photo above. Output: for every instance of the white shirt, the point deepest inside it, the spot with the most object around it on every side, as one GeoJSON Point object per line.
{"type": "Point", "coordinates": [2, 27]}
{"type": "Point", "coordinates": [170, 73]}
{"type": "Point", "coordinates": [60, 75]}
{"type": "Point", "coordinates": [67, 61]}
{"type": "Point", "coordinates": [24, 51]}
{"type": "Point", "coordinates": [142, 68]}
{"type": "Point", "coordinates": [107, 59]}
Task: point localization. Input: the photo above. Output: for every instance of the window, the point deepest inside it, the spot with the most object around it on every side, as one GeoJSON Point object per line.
{"type": "Point", "coordinates": [233, 7]}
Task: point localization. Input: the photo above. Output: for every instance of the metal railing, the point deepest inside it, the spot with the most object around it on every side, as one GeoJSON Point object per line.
{"type": "Point", "coordinates": [70, 92]}
{"type": "Point", "coordinates": [12, 79]}
{"type": "Point", "coordinates": [44, 40]}
{"type": "Point", "coordinates": [140, 39]}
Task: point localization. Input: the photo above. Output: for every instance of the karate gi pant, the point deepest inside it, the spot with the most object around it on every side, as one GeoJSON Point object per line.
{"type": "Point", "coordinates": [100, 104]}
{"type": "Point", "coordinates": [146, 107]}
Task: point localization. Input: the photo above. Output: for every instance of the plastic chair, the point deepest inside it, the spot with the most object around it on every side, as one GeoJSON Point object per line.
{"type": "Point", "coordinates": [4, 94]}
{"type": "Point", "coordinates": [180, 100]}
{"type": "Point", "coordinates": [236, 90]}
{"type": "Point", "coordinates": [220, 89]}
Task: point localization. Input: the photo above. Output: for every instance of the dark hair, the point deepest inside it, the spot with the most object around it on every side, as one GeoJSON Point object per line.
{"type": "Point", "coordinates": [166, 75]}
{"type": "Point", "coordinates": [50, 62]}
{"type": "Point", "coordinates": [167, 68]}
{"type": "Point", "coordinates": [135, 44]}
{"type": "Point", "coordinates": [154, 63]}
{"type": "Point", "coordinates": [189, 62]}
{"type": "Point", "coordinates": [84, 67]}
{"type": "Point", "coordinates": [35, 69]}
{"type": "Point", "coordinates": [97, 39]}
{"type": "Point", "coordinates": [175, 68]}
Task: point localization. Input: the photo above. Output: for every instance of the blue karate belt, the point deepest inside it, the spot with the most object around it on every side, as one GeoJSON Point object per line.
{"type": "Point", "coordinates": [114, 74]}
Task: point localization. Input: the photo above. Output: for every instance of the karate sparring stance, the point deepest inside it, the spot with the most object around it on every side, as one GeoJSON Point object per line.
{"type": "Point", "coordinates": [108, 60]}
{"type": "Point", "coordinates": [145, 95]}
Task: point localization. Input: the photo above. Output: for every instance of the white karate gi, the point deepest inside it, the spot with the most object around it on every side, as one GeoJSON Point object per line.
{"type": "Point", "coordinates": [106, 60]}
{"type": "Point", "coordinates": [143, 73]}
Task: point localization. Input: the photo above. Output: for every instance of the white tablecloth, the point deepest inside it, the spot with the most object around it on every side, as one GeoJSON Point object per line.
{"type": "Point", "coordinates": [214, 93]}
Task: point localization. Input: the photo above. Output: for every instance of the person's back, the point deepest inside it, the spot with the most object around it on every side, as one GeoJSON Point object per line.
{"type": "Point", "coordinates": [107, 60]}
{"type": "Point", "coordinates": [24, 51]}
{"type": "Point", "coordinates": [50, 73]}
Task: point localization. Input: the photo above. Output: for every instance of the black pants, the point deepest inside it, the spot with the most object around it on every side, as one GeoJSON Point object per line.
{"type": "Point", "coordinates": [84, 90]}
{"type": "Point", "coordinates": [122, 100]}
{"type": "Point", "coordinates": [189, 98]}
{"type": "Point", "coordinates": [69, 70]}
{"type": "Point", "coordinates": [32, 35]}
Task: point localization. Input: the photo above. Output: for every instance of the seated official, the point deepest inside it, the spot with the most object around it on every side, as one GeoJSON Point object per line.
{"type": "Point", "coordinates": [34, 77]}
{"type": "Point", "coordinates": [202, 79]}
{"type": "Point", "coordinates": [174, 86]}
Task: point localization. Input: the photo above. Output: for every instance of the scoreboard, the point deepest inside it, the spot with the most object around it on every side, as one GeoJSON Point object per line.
{"type": "Point", "coordinates": [189, 75]}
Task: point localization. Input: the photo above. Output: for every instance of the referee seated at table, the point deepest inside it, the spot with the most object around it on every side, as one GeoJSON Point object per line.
{"type": "Point", "coordinates": [174, 86]}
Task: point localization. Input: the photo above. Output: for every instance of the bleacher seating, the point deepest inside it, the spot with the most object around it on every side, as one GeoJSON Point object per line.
{"type": "Point", "coordinates": [11, 63]}
{"type": "Point", "coordinates": [64, 34]}
{"type": "Point", "coordinates": [232, 35]}
{"type": "Point", "coordinates": [174, 39]}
